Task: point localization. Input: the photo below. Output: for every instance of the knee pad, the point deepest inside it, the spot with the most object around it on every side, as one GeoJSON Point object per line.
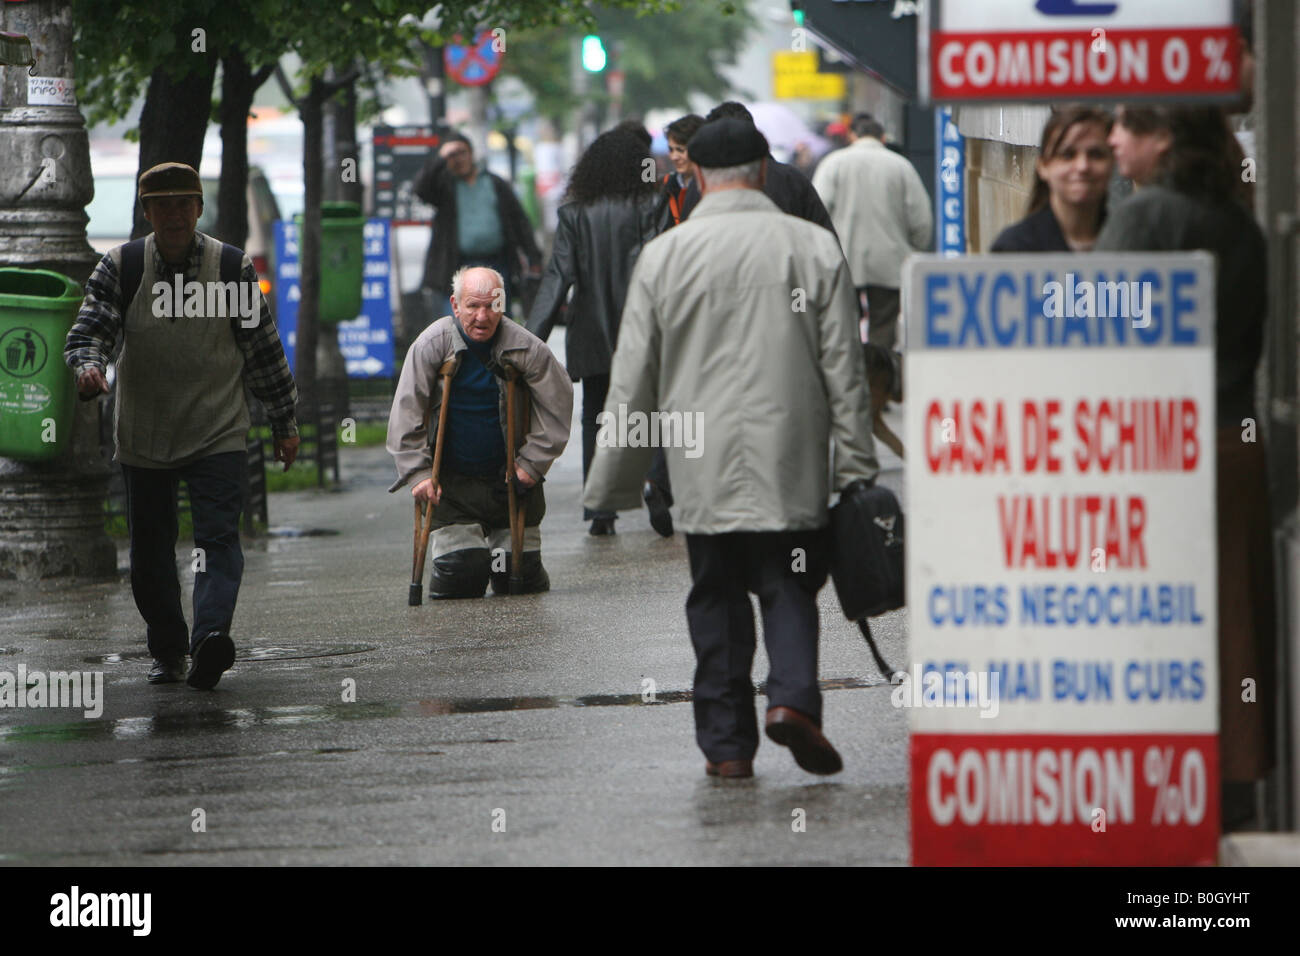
{"type": "Point", "coordinates": [460, 574]}
{"type": "Point", "coordinates": [535, 578]}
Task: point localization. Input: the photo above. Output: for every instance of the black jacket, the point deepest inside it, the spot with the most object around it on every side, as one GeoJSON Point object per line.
{"type": "Point", "coordinates": [790, 189]}
{"type": "Point", "coordinates": [1158, 219]}
{"type": "Point", "coordinates": [596, 246]}
{"type": "Point", "coordinates": [437, 186]}
{"type": "Point", "coordinates": [1037, 232]}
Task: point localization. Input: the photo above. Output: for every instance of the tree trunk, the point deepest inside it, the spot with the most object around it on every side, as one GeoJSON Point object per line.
{"type": "Point", "coordinates": [311, 109]}
{"type": "Point", "coordinates": [331, 189]}
{"type": "Point", "coordinates": [175, 118]}
{"type": "Point", "coordinates": [349, 186]}
{"type": "Point", "coordinates": [238, 85]}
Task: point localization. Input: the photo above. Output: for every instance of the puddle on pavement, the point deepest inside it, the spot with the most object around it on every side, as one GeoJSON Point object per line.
{"type": "Point", "coordinates": [243, 718]}
{"type": "Point", "coordinates": [301, 532]}
{"type": "Point", "coordinates": [264, 652]}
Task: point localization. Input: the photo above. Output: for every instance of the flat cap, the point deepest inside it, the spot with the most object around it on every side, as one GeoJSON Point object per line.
{"type": "Point", "coordinates": [170, 179]}
{"type": "Point", "coordinates": [726, 142]}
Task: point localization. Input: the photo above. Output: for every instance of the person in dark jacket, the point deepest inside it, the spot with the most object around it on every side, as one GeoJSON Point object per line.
{"type": "Point", "coordinates": [1188, 195]}
{"type": "Point", "coordinates": [790, 189]}
{"type": "Point", "coordinates": [609, 213]}
{"type": "Point", "coordinates": [480, 222]}
{"type": "Point", "coordinates": [1068, 204]}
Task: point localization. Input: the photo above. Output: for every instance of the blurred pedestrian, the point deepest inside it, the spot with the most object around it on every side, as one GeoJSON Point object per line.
{"type": "Point", "coordinates": [1188, 196]}
{"type": "Point", "coordinates": [805, 160]}
{"type": "Point", "coordinates": [609, 213]}
{"type": "Point", "coordinates": [479, 222]}
{"type": "Point", "coordinates": [181, 414]}
{"type": "Point", "coordinates": [784, 185]}
{"type": "Point", "coordinates": [710, 341]}
{"type": "Point", "coordinates": [678, 133]}
{"type": "Point", "coordinates": [1068, 204]}
{"type": "Point", "coordinates": [882, 213]}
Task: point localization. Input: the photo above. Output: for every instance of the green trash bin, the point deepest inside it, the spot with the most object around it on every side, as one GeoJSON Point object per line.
{"type": "Point", "coordinates": [37, 390]}
{"type": "Point", "coordinates": [342, 260]}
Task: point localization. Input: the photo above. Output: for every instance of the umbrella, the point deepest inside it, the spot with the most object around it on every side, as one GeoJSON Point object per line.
{"type": "Point", "coordinates": [785, 129]}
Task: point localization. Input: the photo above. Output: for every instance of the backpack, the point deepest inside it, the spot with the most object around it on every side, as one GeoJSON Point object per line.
{"type": "Point", "coordinates": [232, 261]}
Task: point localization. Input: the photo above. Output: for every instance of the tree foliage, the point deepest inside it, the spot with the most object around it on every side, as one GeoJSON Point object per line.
{"type": "Point", "coordinates": [666, 54]}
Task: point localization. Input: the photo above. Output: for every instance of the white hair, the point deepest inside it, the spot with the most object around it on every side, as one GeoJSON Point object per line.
{"type": "Point", "coordinates": [746, 173]}
{"type": "Point", "coordinates": [458, 280]}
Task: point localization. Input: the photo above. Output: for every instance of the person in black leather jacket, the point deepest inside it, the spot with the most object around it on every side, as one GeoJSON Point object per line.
{"type": "Point", "coordinates": [609, 213]}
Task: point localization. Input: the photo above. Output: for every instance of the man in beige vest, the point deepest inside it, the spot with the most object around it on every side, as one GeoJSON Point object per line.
{"type": "Point", "coordinates": [194, 330]}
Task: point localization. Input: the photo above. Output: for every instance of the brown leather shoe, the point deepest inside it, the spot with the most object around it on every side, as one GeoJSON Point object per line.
{"type": "Point", "coordinates": [734, 769]}
{"type": "Point", "coordinates": [811, 749]}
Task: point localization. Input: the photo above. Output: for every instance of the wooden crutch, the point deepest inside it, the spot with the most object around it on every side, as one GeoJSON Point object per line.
{"type": "Point", "coordinates": [516, 508]}
{"type": "Point", "coordinates": [424, 514]}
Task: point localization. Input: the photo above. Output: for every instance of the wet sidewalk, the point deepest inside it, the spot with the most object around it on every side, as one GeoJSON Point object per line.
{"type": "Point", "coordinates": [545, 729]}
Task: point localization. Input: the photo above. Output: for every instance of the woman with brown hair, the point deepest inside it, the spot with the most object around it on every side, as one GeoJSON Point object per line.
{"type": "Point", "coordinates": [1068, 204]}
{"type": "Point", "coordinates": [1184, 164]}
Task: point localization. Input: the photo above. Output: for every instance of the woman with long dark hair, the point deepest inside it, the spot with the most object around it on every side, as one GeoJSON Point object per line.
{"type": "Point", "coordinates": [608, 215]}
{"type": "Point", "coordinates": [1185, 166]}
{"type": "Point", "coordinates": [1068, 203]}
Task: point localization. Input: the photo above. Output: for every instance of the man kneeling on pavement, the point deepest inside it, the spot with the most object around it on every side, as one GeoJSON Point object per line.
{"type": "Point", "coordinates": [471, 520]}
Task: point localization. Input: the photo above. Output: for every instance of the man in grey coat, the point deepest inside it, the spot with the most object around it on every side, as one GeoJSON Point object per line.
{"type": "Point", "coordinates": [739, 354]}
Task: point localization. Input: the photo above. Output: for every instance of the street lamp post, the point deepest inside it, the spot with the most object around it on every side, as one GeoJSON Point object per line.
{"type": "Point", "coordinates": [51, 513]}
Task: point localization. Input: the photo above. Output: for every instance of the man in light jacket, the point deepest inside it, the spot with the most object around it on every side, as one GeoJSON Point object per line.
{"type": "Point", "coordinates": [882, 213]}
{"type": "Point", "coordinates": [749, 361]}
{"type": "Point", "coordinates": [471, 524]}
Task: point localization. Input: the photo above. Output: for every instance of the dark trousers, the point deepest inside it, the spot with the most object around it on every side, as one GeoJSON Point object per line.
{"type": "Point", "coordinates": [594, 390]}
{"type": "Point", "coordinates": [658, 472]}
{"type": "Point", "coordinates": [883, 306]}
{"type": "Point", "coordinates": [215, 485]}
{"type": "Point", "coordinates": [724, 569]}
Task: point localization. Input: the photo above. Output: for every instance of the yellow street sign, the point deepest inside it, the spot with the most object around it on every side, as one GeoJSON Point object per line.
{"type": "Point", "coordinates": [787, 61]}
{"type": "Point", "coordinates": [809, 86]}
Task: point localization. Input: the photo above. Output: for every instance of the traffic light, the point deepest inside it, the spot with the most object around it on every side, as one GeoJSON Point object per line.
{"type": "Point", "coordinates": [593, 54]}
{"type": "Point", "coordinates": [797, 13]}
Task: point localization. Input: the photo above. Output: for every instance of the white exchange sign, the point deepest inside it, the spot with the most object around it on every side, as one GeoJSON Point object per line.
{"type": "Point", "coordinates": [1061, 555]}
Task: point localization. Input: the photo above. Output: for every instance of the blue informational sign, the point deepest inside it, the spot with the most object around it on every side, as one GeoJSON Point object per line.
{"type": "Point", "coordinates": [367, 341]}
{"type": "Point", "coordinates": [950, 184]}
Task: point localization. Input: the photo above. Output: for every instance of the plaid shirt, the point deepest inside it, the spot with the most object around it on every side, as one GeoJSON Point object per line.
{"type": "Point", "coordinates": [94, 337]}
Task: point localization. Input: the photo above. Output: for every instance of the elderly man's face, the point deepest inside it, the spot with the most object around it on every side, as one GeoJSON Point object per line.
{"type": "Point", "coordinates": [480, 306]}
{"type": "Point", "coordinates": [174, 219]}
